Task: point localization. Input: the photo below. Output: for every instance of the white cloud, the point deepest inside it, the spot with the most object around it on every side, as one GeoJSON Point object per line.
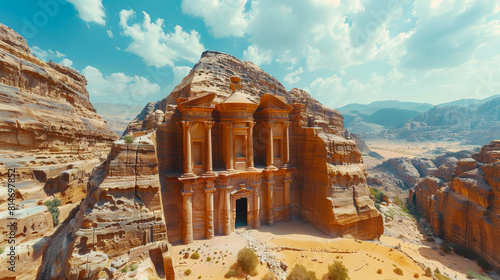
{"type": "Point", "coordinates": [157, 48]}
{"type": "Point", "coordinates": [329, 91]}
{"type": "Point", "coordinates": [223, 17]}
{"type": "Point", "coordinates": [253, 54]}
{"type": "Point", "coordinates": [46, 55]}
{"type": "Point", "coordinates": [66, 62]}
{"type": "Point", "coordinates": [179, 73]}
{"type": "Point", "coordinates": [293, 77]}
{"type": "Point", "coordinates": [90, 10]}
{"type": "Point", "coordinates": [110, 33]}
{"type": "Point", "coordinates": [118, 85]}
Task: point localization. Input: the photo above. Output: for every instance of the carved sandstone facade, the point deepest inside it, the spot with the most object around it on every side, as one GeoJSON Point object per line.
{"type": "Point", "coordinates": [237, 162]}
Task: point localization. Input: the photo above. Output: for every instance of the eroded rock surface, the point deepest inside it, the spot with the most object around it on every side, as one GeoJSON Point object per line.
{"type": "Point", "coordinates": [462, 203]}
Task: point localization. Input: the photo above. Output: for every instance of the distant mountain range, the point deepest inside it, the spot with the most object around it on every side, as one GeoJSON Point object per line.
{"type": "Point", "coordinates": [117, 116]}
{"type": "Point", "coordinates": [471, 121]}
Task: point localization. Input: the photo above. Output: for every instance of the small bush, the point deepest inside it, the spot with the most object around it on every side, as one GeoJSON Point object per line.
{"type": "Point", "coordinates": [247, 260]}
{"type": "Point", "coordinates": [299, 272]}
{"type": "Point", "coordinates": [231, 273]}
{"type": "Point", "coordinates": [377, 194]}
{"type": "Point", "coordinates": [416, 275]}
{"type": "Point", "coordinates": [440, 276]}
{"type": "Point", "coordinates": [428, 272]}
{"type": "Point", "coordinates": [337, 271]}
{"type": "Point", "coordinates": [379, 271]}
{"type": "Point", "coordinates": [475, 275]}
{"type": "Point", "coordinates": [133, 267]}
{"type": "Point", "coordinates": [209, 259]}
{"type": "Point", "coordinates": [445, 247]}
{"type": "Point", "coordinates": [54, 211]}
{"type": "Point", "coordinates": [269, 276]}
{"type": "Point", "coordinates": [129, 139]}
{"type": "Point", "coordinates": [484, 265]}
{"type": "Point", "coordinates": [124, 270]}
{"type": "Point", "coordinates": [436, 271]}
{"type": "Point", "coordinates": [187, 272]}
{"type": "Point", "coordinates": [195, 256]}
{"type": "Point", "coordinates": [398, 271]}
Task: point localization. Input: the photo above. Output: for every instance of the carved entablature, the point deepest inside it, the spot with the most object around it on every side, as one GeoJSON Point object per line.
{"type": "Point", "coordinates": [239, 115]}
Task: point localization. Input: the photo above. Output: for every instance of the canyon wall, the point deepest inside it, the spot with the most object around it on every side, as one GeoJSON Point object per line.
{"type": "Point", "coordinates": [462, 202]}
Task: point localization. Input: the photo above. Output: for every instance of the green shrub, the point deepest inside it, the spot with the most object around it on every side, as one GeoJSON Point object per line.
{"type": "Point", "coordinates": [428, 272]}
{"type": "Point", "coordinates": [440, 276]}
{"type": "Point", "coordinates": [398, 271]}
{"type": "Point", "coordinates": [54, 211]}
{"type": "Point", "coordinates": [133, 267]}
{"type": "Point", "coordinates": [128, 139]}
{"type": "Point", "coordinates": [187, 272]}
{"type": "Point", "coordinates": [1, 250]}
{"type": "Point", "coordinates": [337, 271]}
{"type": "Point", "coordinates": [195, 256]}
{"type": "Point", "coordinates": [379, 271]}
{"type": "Point", "coordinates": [247, 260]}
{"type": "Point", "coordinates": [475, 275]}
{"type": "Point", "coordinates": [209, 259]}
{"type": "Point", "coordinates": [445, 247]}
{"type": "Point", "coordinates": [124, 270]}
{"type": "Point", "coordinates": [416, 275]}
{"type": "Point", "coordinates": [377, 194]}
{"type": "Point", "coordinates": [269, 276]}
{"type": "Point", "coordinates": [299, 272]}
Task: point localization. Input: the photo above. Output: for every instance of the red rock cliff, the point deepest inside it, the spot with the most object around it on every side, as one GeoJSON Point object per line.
{"type": "Point", "coordinates": [465, 209]}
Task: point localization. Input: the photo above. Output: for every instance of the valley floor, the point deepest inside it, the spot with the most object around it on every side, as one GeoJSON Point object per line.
{"type": "Point", "coordinates": [295, 242]}
{"type": "Point", "coordinates": [390, 149]}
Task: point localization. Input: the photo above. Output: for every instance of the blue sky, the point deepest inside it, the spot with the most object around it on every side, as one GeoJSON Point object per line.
{"type": "Point", "coordinates": [339, 51]}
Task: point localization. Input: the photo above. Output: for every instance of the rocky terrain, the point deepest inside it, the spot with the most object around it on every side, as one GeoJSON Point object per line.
{"type": "Point", "coordinates": [460, 200]}
{"type": "Point", "coordinates": [86, 207]}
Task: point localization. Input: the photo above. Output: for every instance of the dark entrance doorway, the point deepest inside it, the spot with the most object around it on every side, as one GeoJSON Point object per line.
{"type": "Point", "coordinates": [241, 212]}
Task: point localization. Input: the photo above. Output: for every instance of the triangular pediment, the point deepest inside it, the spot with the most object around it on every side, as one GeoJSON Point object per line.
{"type": "Point", "coordinates": [204, 101]}
{"type": "Point", "coordinates": [269, 101]}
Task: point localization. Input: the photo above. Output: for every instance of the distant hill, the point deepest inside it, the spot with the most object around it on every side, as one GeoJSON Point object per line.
{"type": "Point", "coordinates": [472, 121]}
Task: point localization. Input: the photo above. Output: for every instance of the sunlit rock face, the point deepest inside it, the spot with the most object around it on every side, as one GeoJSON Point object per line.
{"type": "Point", "coordinates": [234, 147]}
{"type": "Point", "coordinates": [463, 205]}
{"type": "Point", "coordinates": [44, 105]}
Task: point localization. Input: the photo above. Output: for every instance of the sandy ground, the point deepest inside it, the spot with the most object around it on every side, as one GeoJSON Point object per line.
{"type": "Point", "coordinates": [316, 251]}
{"type": "Point", "coordinates": [390, 149]}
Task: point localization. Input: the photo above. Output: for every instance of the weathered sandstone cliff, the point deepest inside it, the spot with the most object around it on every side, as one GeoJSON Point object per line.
{"type": "Point", "coordinates": [462, 202]}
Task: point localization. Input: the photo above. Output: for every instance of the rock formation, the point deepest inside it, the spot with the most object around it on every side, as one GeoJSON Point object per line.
{"type": "Point", "coordinates": [249, 142]}
{"type": "Point", "coordinates": [44, 105]}
{"type": "Point", "coordinates": [462, 202]}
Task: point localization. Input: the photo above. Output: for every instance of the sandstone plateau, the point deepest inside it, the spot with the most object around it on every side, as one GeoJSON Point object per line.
{"type": "Point", "coordinates": [461, 200]}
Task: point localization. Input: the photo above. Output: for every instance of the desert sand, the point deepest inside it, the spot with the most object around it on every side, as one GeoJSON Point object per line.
{"type": "Point", "coordinates": [298, 243]}
{"type": "Point", "coordinates": [391, 149]}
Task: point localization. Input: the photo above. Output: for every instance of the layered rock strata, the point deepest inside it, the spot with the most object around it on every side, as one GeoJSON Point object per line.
{"type": "Point", "coordinates": [463, 203]}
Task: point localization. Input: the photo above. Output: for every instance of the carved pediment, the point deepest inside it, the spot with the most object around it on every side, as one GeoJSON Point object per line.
{"type": "Point", "coordinates": [242, 191]}
{"type": "Point", "coordinates": [204, 101]}
{"type": "Point", "coordinates": [272, 102]}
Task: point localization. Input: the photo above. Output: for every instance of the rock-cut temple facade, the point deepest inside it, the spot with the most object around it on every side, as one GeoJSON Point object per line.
{"type": "Point", "coordinates": [243, 163]}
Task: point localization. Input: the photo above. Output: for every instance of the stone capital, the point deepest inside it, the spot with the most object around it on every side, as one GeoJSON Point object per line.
{"type": "Point", "coordinates": [287, 124]}
{"type": "Point", "coordinates": [251, 125]}
{"type": "Point", "coordinates": [210, 189]}
{"type": "Point", "coordinates": [227, 123]}
{"type": "Point", "coordinates": [186, 124]}
{"type": "Point", "coordinates": [187, 193]}
{"type": "Point", "coordinates": [209, 124]}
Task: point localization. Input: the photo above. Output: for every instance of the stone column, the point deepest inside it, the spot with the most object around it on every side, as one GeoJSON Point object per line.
{"type": "Point", "coordinates": [286, 197]}
{"type": "Point", "coordinates": [256, 205]}
{"type": "Point", "coordinates": [269, 146]}
{"type": "Point", "coordinates": [249, 157]}
{"type": "Point", "coordinates": [188, 171]}
{"type": "Point", "coordinates": [229, 146]}
{"type": "Point", "coordinates": [286, 145]}
{"type": "Point", "coordinates": [187, 216]}
{"type": "Point", "coordinates": [208, 137]}
{"type": "Point", "coordinates": [209, 197]}
{"type": "Point", "coordinates": [227, 210]}
{"type": "Point", "coordinates": [270, 199]}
